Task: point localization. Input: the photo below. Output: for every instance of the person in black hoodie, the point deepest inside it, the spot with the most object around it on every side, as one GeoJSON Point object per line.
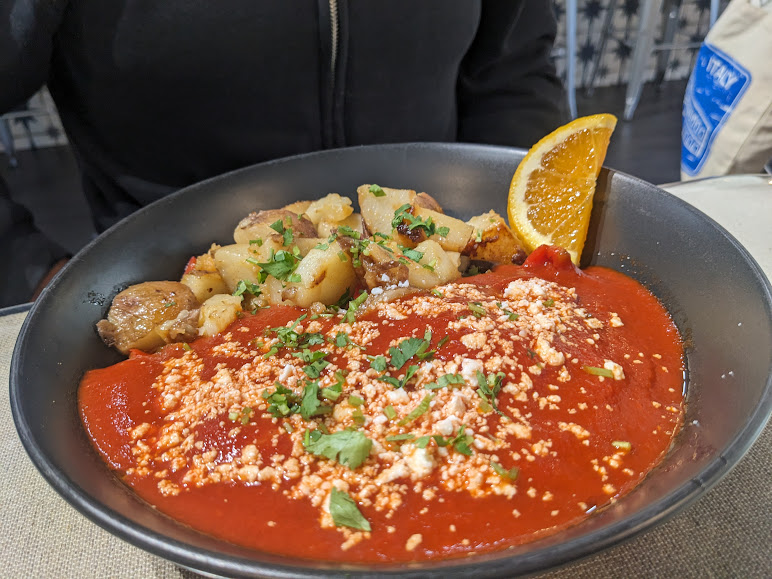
{"type": "Point", "coordinates": [155, 96]}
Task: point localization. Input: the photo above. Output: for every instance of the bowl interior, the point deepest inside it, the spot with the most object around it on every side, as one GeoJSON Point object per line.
{"type": "Point", "coordinates": [717, 295]}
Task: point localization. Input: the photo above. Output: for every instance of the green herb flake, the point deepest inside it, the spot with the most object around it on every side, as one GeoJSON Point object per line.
{"type": "Point", "coordinates": [341, 340]}
{"type": "Point", "coordinates": [355, 400]}
{"type": "Point", "coordinates": [422, 408]}
{"type": "Point", "coordinates": [477, 309]}
{"type": "Point", "coordinates": [348, 447]}
{"type": "Point", "coordinates": [186, 347]}
{"type": "Point", "coordinates": [622, 445]}
{"type": "Point", "coordinates": [389, 412]}
{"type": "Point", "coordinates": [377, 191]}
{"type": "Point", "coordinates": [353, 306]}
{"type": "Point", "coordinates": [400, 437]}
{"type": "Point", "coordinates": [345, 512]}
{"type": "Point", "coordinates": [438, 293]}
{"type": "Point", "coordinates": [170, 304]}
{"type": "Point", "coordinates": [247, 287]}
{"type": "Point", "coordinates": [378, 363]}
{"type": "Point", "coordinates": [510, 474]}
{"type": "Point", "coordinates": [548, 303]}
{"type": "Point", "coordinates": [595, 371]}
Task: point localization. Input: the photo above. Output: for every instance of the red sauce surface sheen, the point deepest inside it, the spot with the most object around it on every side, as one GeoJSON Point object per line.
{"type": "Point", "coordinates": [645, 409]}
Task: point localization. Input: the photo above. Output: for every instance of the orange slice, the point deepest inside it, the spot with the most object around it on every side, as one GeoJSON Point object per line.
{"type": "Point", "coordinates": [550, 197]}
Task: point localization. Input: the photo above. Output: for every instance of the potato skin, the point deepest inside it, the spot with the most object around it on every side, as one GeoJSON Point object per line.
{"type": "Point", "coordinates": [137, 313]}
{"type": "Point", "coordinates": [258, 225]}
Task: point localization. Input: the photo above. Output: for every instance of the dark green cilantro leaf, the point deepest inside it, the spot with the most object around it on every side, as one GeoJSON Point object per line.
{"type": "Point", "coordinates": [378, 363]}
{"type": "Point", "coordinates": [348, 447]}
{"type": "Point", "coordinates": [345, 512]}
{"type": "Point", "coordinates": [245, 286]}
{"type": "Point", "coordinates": [310, 405]}
{"type": "Point", "coordinates": [280, 265]}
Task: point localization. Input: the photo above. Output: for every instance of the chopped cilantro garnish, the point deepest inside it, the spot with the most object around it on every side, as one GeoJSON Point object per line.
{"type": "Point", "coordinates": [377, 191]}
{"type": "Point", "coordinates": [355, 400]}
{"type": "Point", "coordinates": [406, 349]}
{"type": "Point", "coordinates": [549, 302]}
{"type": "Point", "coordinates": [413, 254]}
{"type": "Point", "coordinates": [341, 340]}
{"type": "Point", "coordinates": [445, 381]}
{"type": "Point", "coordinates": [437, 293]}
{"type": "Point", "coordinates": [283, 401]}
{"type": "Point", "coordinates": [390, 413]}
{"type": "Point", "coordinates": [353, 305]}
{"type": "Point", "coordinates": [422, 408]}
{"type": "Point", "coordinates": [400, 437]}
{"type": "Point", "coordinates": [281, 265]}
{"type": "Point", "coordinates": [170, 304]}
{"type": "Point", "coordinates": [285, 232]}
{"type": "Point", "coordinates": [310, 405]}
{"type": "Point", "coordinates": [186, 347]}
{"type": "Point", "coordinates": [245, 286]}
{"type": "Point", "coordinates": [345, 512]}
{"type": "Point", "coordinates": [477, 309]}
{"type": "Point", "coordinates": [595, 371]}
{"type": "Point", "coordinates": [510, 474]}
{"type": "Point", "coordinates": [488, 389]}
{"type": "Point", "coordinates": [404, 214]}
{"type": "Point", "coordinates": [411, 370]}
{"type": "Point", "coordinates": [348, 447]}
{"type": "Point", "coordinates": [622, 445]}
{"type": "Point", "coordinates": [511, 315]}
{"type": "Point", "coordinates": [378, 363]}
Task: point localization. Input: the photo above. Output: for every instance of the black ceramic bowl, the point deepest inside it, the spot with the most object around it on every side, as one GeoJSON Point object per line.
{"type": "Point", "coordinates": [717, 294]}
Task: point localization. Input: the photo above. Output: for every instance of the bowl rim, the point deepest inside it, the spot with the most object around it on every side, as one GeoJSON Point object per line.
{"type": "Point", "coordinates": [493, 564]}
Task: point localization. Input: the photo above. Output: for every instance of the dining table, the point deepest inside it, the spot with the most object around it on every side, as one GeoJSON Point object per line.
{"type": "Point", "coordinates": [726, 533]}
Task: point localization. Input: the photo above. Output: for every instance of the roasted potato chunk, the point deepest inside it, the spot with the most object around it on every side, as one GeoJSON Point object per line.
{"type": "Point", "coordinates": [218, 312]}
{"type": "Point", "coordinates": [148, 315]}
{"type": "Point", "coordinates": [332, 207]}
{"type": "Point", "coordinates": [324, 277]}
{"type": "Point", "coordinates": [435, 267]}
{"type": "Point", "coordinates": [493, 240]}
{"type": "Point", "coordinates": [378, 208]}
{"type": "Point", "coordinates": [203, 278]}
{"type": "Point", "coordinates": [258, 225]}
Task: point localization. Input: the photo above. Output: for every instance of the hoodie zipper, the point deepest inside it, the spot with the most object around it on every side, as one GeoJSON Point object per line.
{"type": "Point", "coordinates": [330, 136]}
{"type": "Point", "coordinates": [334, 22]}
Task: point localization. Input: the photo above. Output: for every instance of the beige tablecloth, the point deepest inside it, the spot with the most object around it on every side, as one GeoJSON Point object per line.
{"type": "Point", "coordinates": [727, 533]}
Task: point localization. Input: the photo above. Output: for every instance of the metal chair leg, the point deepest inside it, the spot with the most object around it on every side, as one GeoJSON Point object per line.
{"type": "Point", "coordinates": [644, 43]}
{"type": "Point", "coordinates": [571, 15]}
{"type": "Point", "coordinates": [608, 20]}
{"type": "Point", "coordinates": [7, 139]}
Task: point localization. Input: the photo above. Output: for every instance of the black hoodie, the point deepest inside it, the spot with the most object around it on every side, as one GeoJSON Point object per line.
{"type": "Point", "coordinates": [155, 95]}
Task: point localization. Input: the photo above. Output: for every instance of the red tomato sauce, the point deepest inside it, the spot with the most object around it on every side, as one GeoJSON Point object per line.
{"type": "Point", "coordinates": [622, 428]}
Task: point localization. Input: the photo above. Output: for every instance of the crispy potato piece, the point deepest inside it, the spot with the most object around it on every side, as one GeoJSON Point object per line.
{"type": "Point", "coordinates": [459, 233]}
{"type": "Point", "coordinates": [428, 202]}
{"type": "Point", "coordinates": [379, 267]}
{"type": "Point", "coordinates": [436, 267]}
{"type": "Point", "coordinates": [325, 228]}
{"type": "Point", "coordinates": [493, 240]}
{"type": "Point", "coordinates": [137, 313]}
{"type": "Point", "coordinates": [217, 313]}
{"type": "Point", "coordinates": [232, 264]}
{"type": "Point", "coordinates": [378, 212]}
{"type": "Point", "coordinates": [203, 279]}
{"type": "Point", "coordinates": [258, 225]}
{"type": "Point", "coordinates": [298, 207]}
{"type": "Point", "coordinates": [324, 277]}
{"type": "Point", "coordinates": [331, 207]}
